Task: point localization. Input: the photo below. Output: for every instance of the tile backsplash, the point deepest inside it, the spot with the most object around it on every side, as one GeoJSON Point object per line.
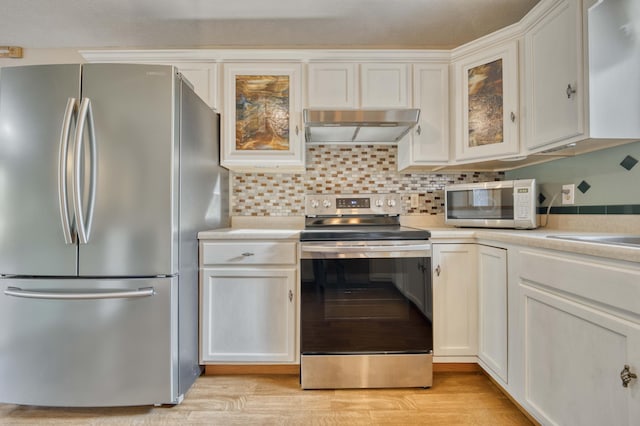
{"type": "Point", "coordinates": [343, 169]}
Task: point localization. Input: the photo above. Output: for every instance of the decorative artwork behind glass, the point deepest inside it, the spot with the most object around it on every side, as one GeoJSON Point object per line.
{"type": "Point", "coordinates": [262, 112]}
{"type": "Point", "coordinates": [485, 104]}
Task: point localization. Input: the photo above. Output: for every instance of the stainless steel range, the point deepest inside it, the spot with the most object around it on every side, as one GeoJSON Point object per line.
{"type": "Point", "coordinates": [366, 299]}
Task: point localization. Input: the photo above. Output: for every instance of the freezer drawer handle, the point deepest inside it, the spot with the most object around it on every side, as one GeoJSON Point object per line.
{"type": "Point", "coordinates": [122, 294]}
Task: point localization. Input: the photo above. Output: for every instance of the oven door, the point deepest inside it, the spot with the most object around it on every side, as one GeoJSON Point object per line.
{"type": "Point", "coordinates": [366, 314]}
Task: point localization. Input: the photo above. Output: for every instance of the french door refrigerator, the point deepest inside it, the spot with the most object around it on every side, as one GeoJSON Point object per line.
{"type": "Point", "coordinates": [107, 173]}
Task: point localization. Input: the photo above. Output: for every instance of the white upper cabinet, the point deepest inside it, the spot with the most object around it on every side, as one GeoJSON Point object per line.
{"type": "Point", "coordinates": [554, 87]}
{"type": "Point", "coordinates": [204, 78]}
{"type": "Point", "coordinates": [581, 65]}
{"type": "Point", "coordinates": [486, 103]}
{"type": "Point", "coordinates": [352, 85]}
{"type": "Point", "coordinates": [384, 86]}
{"type": "Point", "coordinates": [428, 142]}
{"type": "Point", "coordinates": [332, 85]}
{"type": "Point", "coordinates": [262, 127]}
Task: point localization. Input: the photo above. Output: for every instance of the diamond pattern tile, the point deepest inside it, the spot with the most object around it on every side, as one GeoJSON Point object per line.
{"type": "Point", "coordinates": [584, 186]}
{"type": "Point", "coordinates": [541, 198]}
{"type": "Point", "coordinates": [628, 162]}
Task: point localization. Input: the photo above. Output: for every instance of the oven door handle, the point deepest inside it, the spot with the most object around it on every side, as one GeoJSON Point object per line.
{"type": "Point", "coordinates": [370, 251]}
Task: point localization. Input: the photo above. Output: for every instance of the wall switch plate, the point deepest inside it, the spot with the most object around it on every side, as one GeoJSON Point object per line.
{"type": "Point", "coordinates": [568, 194]}
{"type": "Point", "coordinates": [415, 201]}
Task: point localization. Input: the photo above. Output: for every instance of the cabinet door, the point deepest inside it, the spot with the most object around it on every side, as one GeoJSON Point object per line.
{"type": "Point", "coordinates": [574, 356]}
{"type": "Point", "coordinates": [332, 85]}
{"type": "Point", "coordinates": [492, 309]}
{"type": "Point", "coordinates": [486, 108]}
{"type": "Point", "coordinates": [428, 143]}
{"type": "Point", "coordinates": [262, 128]}
{"type": "Point", "coordinates": [554, 88]}
{"type": "Point", "coordinates": [384, 86]}
{"type": "Point", "coordinates": [455, 300]}
{"type": "Point", "coordinates": [248, 315]}
{"type": "Point", "coordinates": [204, 78]}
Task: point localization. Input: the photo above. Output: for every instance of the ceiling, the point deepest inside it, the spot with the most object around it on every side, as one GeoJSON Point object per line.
{"type": "Point", "coordinates": [409, 24]}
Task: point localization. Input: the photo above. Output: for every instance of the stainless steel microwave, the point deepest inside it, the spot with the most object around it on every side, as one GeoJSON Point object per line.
{"type": "Point", "coordinates": [500, 204]}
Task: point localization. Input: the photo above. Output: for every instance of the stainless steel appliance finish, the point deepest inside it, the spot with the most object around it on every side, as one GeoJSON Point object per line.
{"type": "Point", "coordinates": [108, 173]}
{"type": "Point", "coordinates": [366, 304]}
{"type": "Point", "coordinates": [499, 204]}
{"type": "Point", "coordinates": [358, 126]}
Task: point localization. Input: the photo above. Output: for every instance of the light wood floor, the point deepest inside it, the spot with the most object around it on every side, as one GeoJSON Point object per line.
{"type": "Point", "coordinates": [454, 399]}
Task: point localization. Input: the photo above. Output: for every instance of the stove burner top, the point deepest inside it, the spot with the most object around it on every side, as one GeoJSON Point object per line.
{"type": "Point", "coordinates": [357, 217]}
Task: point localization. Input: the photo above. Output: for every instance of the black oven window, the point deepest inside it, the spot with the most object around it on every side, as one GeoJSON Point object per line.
{"type": "Point", "coordinates": [366, 305]}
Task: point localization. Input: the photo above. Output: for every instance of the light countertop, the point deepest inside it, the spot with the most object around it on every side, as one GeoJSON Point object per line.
{"type": "Point", "coordinates": [537, 238]}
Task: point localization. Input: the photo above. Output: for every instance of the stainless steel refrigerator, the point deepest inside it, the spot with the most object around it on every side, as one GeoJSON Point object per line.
{"type": "Point", "coordinates": [107, 173]}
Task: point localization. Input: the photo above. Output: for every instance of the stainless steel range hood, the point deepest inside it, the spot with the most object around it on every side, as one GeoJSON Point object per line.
{"type": "Point", "coordinates": [358, 126]}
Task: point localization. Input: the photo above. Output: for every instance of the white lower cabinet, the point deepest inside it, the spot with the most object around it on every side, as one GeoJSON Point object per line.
{"type": "Point", "coordinates": [580, 338]}
{"type": "Point", "coordinates": [248, 303]}
{"type": "Point", "coordinates": [492, 310]}
{"type": "Point", "coordinates": [455, 301]}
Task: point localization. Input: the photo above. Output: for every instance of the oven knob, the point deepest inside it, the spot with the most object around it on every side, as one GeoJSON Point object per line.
{"type": "Point", "coordinates": [391, 203]}
{"type": "Point", "coordinates": [379, 203]}
{"type": "Point", "coordinates": [315, 204]}
{"type": "Point", "coordinates": [326, 204]}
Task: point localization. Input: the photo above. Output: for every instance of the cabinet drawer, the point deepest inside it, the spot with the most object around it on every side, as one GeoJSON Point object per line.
{"type": "Point", "coordinates": [247, 253]}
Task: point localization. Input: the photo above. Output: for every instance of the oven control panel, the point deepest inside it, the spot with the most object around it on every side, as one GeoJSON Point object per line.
{"type": "Point", "coordinates": [353, 204]}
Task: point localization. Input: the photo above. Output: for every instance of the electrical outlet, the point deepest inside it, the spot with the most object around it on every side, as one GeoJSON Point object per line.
{"type": "Point", "coordinates": [568, 194]}
{"type": "Point", "coordinates": [415, 201]}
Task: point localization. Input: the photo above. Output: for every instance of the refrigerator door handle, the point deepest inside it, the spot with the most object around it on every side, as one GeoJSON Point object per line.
{"type": "Point", "coordinates": [63, 197]}
{"type": "Point", "coordinates": [85, 117]}
{"type": "Point", "coordinates": [59, 295]}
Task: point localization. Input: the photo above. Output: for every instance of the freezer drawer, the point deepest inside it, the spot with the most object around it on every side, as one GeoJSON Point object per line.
{"type": "Point", "coordinates": [82, 342]}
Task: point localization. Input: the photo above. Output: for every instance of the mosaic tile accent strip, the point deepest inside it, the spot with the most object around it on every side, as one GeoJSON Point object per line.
{"type": "Point", "coordinates": [617, 209]}
{"type": "Point", "coordinates": [628, 162]}
{"type": "Point", "coordinates": [344, 169]}
{"type": "Point", "coordinates": [584, 186]}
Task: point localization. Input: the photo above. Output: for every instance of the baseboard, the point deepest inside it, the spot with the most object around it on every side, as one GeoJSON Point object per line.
{"type": "Point", "coordinates": [516, 403]}
{"type": "Point", "coordinates": [219, 369]}
{"type": "Point", "coordinates": [456, 367]}
{"type": "Point", "coordinates": [225, 369]}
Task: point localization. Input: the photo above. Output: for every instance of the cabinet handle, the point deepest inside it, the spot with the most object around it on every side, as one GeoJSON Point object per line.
{"type": "Point", "coordinates": [297, 130]}
{"type": "Point", "coordinates": [419, 130]}
{"type": "Point", "coordinates": [438, 270]}
{"type": "Point", "coordinates": [626, 376]}
{"type": "Point", "coordinates": [513, 117]}
{"type": "Point", "coordinates": [570, 91]}
{"type": "Point", "coordinates": [247, 254]}
{"type": "Point", "coordinates": [290, 296]}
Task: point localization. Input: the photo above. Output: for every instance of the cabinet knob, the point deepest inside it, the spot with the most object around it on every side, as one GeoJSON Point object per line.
{"type": "Point", "coordinates": [297, 130]}
{"type": "Point", "coordinates": [570, 91]}
{"type": "Point", "coordinates": [626, 376]}
{"type": "Point", "coordinates": [247, 254]}
{"type": "Point", "coordinates": [419, 130]}
{"type": "Point", "coordinates": [438, 270]}
{"type": "Point", "coordinates": [513, 117]}
{"type": "Point", "coordinates": [290, 296]}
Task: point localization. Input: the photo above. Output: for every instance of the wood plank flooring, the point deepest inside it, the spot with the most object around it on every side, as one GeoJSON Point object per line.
{"type": "Point", "coordinates": [455, 399]}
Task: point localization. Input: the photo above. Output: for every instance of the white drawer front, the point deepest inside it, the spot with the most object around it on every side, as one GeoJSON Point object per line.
{"type": "Point", "coordinates": [248, 253]}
